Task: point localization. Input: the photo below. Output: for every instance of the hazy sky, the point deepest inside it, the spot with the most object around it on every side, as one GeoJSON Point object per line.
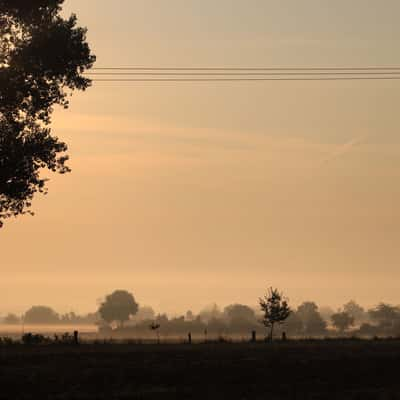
{"type": "Point", "coordinates": [191, 193]}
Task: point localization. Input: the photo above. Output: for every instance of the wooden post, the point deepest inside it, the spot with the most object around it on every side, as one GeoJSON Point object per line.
{"type": "Point", "coordinates": [76, 337]}
{"type": "Point", "coordinates": [190, 338]}
{"type": "Point", "coordinates": [284, 337]}
{"type": "Point", "coordinates": [254, 336]}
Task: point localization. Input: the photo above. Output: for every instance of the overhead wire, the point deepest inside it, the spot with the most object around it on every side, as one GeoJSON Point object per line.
{"type": "Point", "coordinates": [241, 74]}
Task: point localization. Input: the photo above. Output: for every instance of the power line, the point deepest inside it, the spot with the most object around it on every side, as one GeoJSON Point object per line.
{"type": "Point", "coordinates": [246, 79]}
{"type": "Point", "coordinates": [240, 73]}
{"type": "Point", "coordinates": [247, 69]}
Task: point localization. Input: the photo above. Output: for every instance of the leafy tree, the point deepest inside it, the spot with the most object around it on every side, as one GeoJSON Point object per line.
{"type": "Point", "coordinates": [293, 325]}
{"type": "Point", "coordinates": [239, 313]}
{"type": "Point", "coordinates": [144, 313]}
{"type": "Point", "coordinates": [354, 310]}
{"type": "Point", "coordinates": [210, 312]}
{"type": "Point", "coordinates": [189, 316]}
{"type": "Point", "coordinates": [275, 309]}
{"type": "Point", "coordinates": [385, 315]}
{"type": "Point", "coordinates": [41, 315]}
{"type": "Point", "coordinates": [326, 312]}
{"type": "Point", "coordinates": [42, 60]}
{"type": "Point", "coordinates": [74, 319]}
{"type": "Point", "coordinates": [11, 319]}
{"type": "Point", "coordinates": [342, 321]}
{"type": "Point", "coordinates": [239, 318]}
{"type": "Point", "coordinates": [313, 323]}
{"type": "Point", "coordinates": [70, 317]}
{"type": "Point", "coordinates": [118, 307]}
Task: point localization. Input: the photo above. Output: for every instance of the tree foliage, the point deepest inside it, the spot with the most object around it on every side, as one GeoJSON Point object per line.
{"type": "Point", "coordinates": [342, 321]}
{"type": "Point", "coordinates": [385, 314]}
{"type": "Point", "coordinates": [239, 313]}
{"type": "Point", "coordinates": [355, 310]}
{"type": "Point", "coordinates": [11, 319]}
{"type": "Point", "coordinates": [313, 323]}
{"type": "Point", "coordinates": [118, 307]}
{"type": "Point", "coordinates": [210, 312]}
{"type": "Point", "coordinates": [275, 309]}
{"type": "Point", "coordinates": [41, 315]}
{"type": "Point", "coordinates": [42, 60]}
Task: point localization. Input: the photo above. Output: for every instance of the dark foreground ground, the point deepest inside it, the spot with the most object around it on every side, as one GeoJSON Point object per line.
{"type": "Point", "coordinates": [291, 370]}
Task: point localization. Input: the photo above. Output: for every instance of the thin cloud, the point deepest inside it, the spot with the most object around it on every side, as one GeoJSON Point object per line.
{"type": "Point", "coordinates": [343, 150]}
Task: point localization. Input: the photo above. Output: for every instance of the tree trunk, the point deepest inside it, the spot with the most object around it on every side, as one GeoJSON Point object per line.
{"type": "Point", "coordinates": [271, 334]}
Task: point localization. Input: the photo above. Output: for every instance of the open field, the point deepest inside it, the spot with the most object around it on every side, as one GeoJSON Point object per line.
{"type": "Point", "coordinates": [16, 330]}
{"type": "Point", "coordinates": [292, 370]}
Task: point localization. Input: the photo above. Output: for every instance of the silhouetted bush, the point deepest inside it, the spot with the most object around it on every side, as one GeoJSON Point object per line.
{"type": "Point", "coordinates": [65, 338]}
{"type": "Point", "coordinates": [34, 339]}
{"type": "Point", "coordinates": [367, 330]}
{"type": "Point", "coordinates": [6, 341]}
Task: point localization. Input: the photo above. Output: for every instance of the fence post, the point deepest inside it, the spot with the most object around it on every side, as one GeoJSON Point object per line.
{"type": "Point", "coordinates": [284, 337]}
{"type": "Point", "coordinates": [254, 336]}
{"type": "Point", "coordinates": [76, 337]}
{"type": "Point", "coordinates": [190, 338]}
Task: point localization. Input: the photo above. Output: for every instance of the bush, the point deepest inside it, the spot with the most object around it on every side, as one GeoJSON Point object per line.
{"type": "Point", "coordinates": [6, 341]}
{"type": "Point", "coordinates": [32, 339]}
{"type": "Point", "coordinates": [368, 330]}
{"type": "Point", "coordinates": [65, 338]}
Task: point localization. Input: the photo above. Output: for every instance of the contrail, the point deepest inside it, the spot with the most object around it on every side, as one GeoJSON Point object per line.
{"type": "Point", "coordinates": [343, 149]}
{"type": "Point", "coordinates": [340, 151]}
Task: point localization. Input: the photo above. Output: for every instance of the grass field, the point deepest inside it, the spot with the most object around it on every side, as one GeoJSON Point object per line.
{"type": "Point", "coordinates": [293, 370]}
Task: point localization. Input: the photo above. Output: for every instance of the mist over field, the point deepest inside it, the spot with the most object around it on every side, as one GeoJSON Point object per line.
{"type": "Point", "coordinates": [199, 200]}
{"type": "Point", "coordinates": [190, 193]}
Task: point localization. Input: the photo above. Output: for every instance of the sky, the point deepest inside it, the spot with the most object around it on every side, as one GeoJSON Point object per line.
{"type": "Point", "coordinates": [192, 193]}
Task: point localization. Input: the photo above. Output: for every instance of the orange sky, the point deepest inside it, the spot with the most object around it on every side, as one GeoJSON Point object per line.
{"type": "Point", "coordinates": [193, 193]}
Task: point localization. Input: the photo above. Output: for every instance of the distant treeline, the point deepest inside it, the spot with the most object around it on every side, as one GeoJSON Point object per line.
{"type": "Point", "coordinates": [307, 320]}
{"type": "Point", "coordinates": [121, 315]}
{"type": "Point", "coordinates": [44, 315]}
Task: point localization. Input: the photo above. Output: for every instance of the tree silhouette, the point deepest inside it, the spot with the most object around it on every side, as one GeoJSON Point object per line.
{"type": "Point", "coordinates": [313, 323]}
{"type": "Point", "coordinates": [155, 327]}
{"type": "Point", "coordinates": [275, 309]}
{"type": "Point", "coordinates": [355, 310]}
{"type": "Point", "coordinates": [342, 321]}
{"type": "Point", "coordinates": [11, 319]}
{"type": "Point", "coordinates": [385, 315]}
{"type": "Point", "coordinates": [42, 58]}
{"type": "Point", "coordinates": [41, 315]}
{"type": "Point", "coordinates": [210, 312]}
{"type": "Point", "coordinates": [239, 313]}
{"type": "Point", "coordinates": [293, 324]}
{"type": "Point", "coordinates": [118, 307]}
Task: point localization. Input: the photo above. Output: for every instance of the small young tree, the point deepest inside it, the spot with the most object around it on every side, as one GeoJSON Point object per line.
{"type": "Point", "coordinates": [275, 309]}
{"type": "Point", "coordinates": [155, 327]}
{"type": "Point", "coordinates": [342, 321]}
